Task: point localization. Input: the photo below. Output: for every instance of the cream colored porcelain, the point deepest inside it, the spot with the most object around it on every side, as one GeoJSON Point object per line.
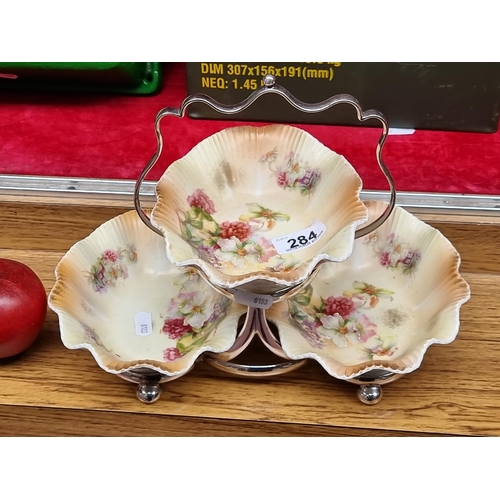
{"type": "Point", "coordinates": [221, 206]}
{"type": "Point", "coordinates": [398, 293]}
{"type": "Point", "coordinates": [121, 270]}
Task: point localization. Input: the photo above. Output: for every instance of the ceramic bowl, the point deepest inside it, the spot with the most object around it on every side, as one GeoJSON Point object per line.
{"type": "Point", "coordinates": [398, 293]}
{"type": "Point", "coordinates": [257, 208]}
{"type": "Point", "coordinates": [117, 295]}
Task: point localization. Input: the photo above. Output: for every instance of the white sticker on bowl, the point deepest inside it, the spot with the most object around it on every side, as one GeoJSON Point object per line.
{"type": "Point", "coordinates": [143, 324]}
{"type": "Point", "coordinates": [299, 239]}
{"type": "Point", "coordinates": [253, 299]}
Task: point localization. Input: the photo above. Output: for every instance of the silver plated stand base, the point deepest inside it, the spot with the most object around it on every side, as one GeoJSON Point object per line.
{"type": "Point", "coordinates": [255, 325]}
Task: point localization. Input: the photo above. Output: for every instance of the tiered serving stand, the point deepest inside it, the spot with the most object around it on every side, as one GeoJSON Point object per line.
{"type": "Point", "coordinates": [259, 296]}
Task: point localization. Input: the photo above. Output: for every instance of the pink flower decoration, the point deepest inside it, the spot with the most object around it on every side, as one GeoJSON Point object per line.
{"type": "Point", "coordinates": [339, 305]}
{"type": "Point", "coordinates": [385, 259]}
{"type": "Point", "coordinates": [110, 255]}
{"type": "Point", "coordinates": [367, 330]}
{"type": "Point", "coordinates": [200, 199]}
{"type": "Point", "coordinates": [171, 354]}
{"type": "Point", "coordinates": [242, 230]}
{"type": "Point", "coordinates": [175, 328]}
{"type": "Point", "coordinates": [268, 250]}
{"type": "Point", "coordinates": [282, 179]}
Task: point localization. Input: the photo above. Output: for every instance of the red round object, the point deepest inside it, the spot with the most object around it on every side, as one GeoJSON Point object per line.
{"type": "Point", "coordinates": [23, 307]}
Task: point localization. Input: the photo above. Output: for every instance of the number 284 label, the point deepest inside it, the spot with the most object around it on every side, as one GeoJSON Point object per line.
{"type": "Point", "coordinates": [299, 239]}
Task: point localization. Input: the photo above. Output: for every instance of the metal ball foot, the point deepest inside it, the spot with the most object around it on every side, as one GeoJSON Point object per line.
{"type": "Point", "coordinates": [148, 392]}
{"type": "Point", "coordinates": [370, 394]}
{"type": "Point", "coordinates": [148, 382]}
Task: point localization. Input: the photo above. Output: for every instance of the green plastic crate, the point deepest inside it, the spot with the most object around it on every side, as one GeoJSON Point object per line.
{"type": "Point", "coordinates": [113, 77]}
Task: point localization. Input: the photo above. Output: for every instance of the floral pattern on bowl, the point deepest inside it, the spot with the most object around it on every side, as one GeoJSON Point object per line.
{"type": "Point", "coordinates": [120, 271]}
{"type": "Point", "coordinates": [222, 205]}
{"type": "Point", "coordinates": [398, 293]}
{"type": "Point", "coordinates": [111, 267]}
{"type": "Point", "coordinates": [233, 245]}
{"type": "Point", "coordinates": [292, 173]}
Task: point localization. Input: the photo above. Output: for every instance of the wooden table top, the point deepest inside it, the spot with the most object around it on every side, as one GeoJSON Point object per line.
{"type": "Point", "coordinates": [53, 391]}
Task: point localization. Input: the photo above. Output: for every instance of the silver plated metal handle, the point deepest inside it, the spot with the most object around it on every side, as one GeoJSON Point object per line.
{"type": "Point", "coordinates": [271, 87]}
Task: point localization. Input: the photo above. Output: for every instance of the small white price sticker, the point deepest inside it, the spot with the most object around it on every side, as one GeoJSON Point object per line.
{"type": "Point", "coordinates": [143, 324]}
{"type": "Point", "coordinates": [299, 239]}
{"type": "Point", "coordinates": [253, 299]}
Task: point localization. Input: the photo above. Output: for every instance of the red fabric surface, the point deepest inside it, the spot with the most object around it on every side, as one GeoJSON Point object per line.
{"type": "Point", "coordinates": [110, 136]}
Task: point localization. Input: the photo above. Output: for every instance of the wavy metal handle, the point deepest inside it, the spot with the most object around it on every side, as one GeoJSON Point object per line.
{"type": "Point", "coordinates": [270, 87]}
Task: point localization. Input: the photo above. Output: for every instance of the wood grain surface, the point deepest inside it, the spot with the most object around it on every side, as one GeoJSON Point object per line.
{"type": "Point", "coordinates": [50, 390]}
